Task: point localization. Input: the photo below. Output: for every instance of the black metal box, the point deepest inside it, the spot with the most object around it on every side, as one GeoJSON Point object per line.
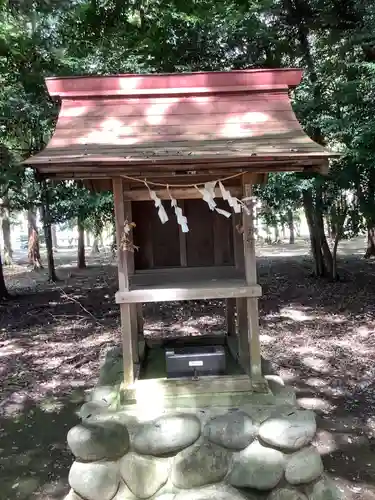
{"type": "Point", "coordinates": [195, 361]}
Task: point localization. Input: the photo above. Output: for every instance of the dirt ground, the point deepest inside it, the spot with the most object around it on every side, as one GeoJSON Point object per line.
{"type": "Point", "coordinates": [318, 335]}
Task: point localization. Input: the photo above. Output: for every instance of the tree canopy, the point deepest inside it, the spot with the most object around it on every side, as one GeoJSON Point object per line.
{"type": "Point", "coordinates": [333, 41]}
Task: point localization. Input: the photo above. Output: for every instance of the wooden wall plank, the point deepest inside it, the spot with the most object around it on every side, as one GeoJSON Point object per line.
{"type": "Point", "coordinates": [165, 239]}
{"type": "Point", "coordinates": [238, 249]}
{"type": "Point", "coordinates": [200, 238]}
{"type": "Point", "coordinates": [223, 236]}
{"type": "Point", "coordinates": [142, 216]}
{"type": "Point", "coordinates": [182, 239]}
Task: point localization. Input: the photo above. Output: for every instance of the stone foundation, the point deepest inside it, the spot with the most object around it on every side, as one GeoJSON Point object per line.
{"type": "Point", "coordinates": [253, 451]}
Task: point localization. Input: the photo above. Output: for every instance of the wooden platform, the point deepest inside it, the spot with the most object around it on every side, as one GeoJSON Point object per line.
{"type": "Point", "coordinates": [187, 284]}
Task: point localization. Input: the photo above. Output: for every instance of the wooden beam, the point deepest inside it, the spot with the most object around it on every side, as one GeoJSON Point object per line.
{"type": "Point", "coordinates": [188, 386]}
{"type": "Point", "coordinates": [203, 292]}
{"type": "Point", "coordinates": [125, 267]}
{"type": "Point", "coordinates": [177, 193]}
{"type": "Point", "coordinates": [230, 310]}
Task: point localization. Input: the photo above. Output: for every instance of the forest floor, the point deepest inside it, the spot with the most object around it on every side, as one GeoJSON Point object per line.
{"type": "Point", "coordinates": [320, 337]}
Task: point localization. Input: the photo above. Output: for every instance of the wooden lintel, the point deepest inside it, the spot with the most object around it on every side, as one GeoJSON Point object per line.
{"type": "Point", "coordinates": [188, 193]}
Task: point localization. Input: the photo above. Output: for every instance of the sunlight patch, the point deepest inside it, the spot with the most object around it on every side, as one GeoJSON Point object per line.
{"type": "Point", "coordinates": [51, 405]}
{"type": "Point", "coordinates": [363, 331]}
{"type": "Point", "coordinates": [316, 404]}
{"type": "Point", "coordinates": [267, 339]}
{"type": "Point", "coordinates": [316, 382]}
{"type": "Point", "coordinates": [325, 442]}
{"type": "Point", "coordinates": [296, 314]}
{"type": "Point", "coordinates": [320, 365]}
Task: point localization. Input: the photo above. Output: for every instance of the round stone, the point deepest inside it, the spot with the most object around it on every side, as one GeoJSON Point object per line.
{"type": "Point", "coordinates": [123, 493]}
{"type": "Point", "coordinates": [199, 465]}
{"type": "Point", "coordinates": [304, 466]}
{"type": "Point", "coordinates": [213, 492]}
{"type": "Point", "coordinates": [286, 494]}
{"type": "Point", "coordinates": [91, 441]}
{"type": "Point", "coordinates": [324, 489]}
{"type": "Point", "coordinates": [92, 409]}
{"type": "Point", "coordinates": [112, 371]}
{"type": "Point", "coordinates": [257, 467]}
{"type": "Point", "coordinates": [144, 476]}
{"type": "Point", "coordinates": [167, 434]}
{"type": "Point", "coordinates": [290, 430]}
{"type": "Point", "coordinates": [234, 430]}
{"type": "Point", "coordinates": [72, 495]}
{"type": "Point", "coordinates": [105, 394]}
{"type": "Point", "coordinates": [94, 481]}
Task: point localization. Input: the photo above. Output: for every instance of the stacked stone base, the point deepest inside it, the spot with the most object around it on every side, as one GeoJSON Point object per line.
{"type": "Point", "coordinates": [246, 453]}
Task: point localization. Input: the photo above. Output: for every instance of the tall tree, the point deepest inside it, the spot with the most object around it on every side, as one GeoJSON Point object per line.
{"type": "Point", "coordinates": [3, 289]}
{"type": "Point", "coordinates": [81, 259]}
{"type": "Point", "coordinates": [46, 217]}
{"type": "Point", "coordinates": [6, 230]}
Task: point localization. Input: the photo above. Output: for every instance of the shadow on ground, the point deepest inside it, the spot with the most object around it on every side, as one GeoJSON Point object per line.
{"type": "Point", "coordinates": [318, 335]}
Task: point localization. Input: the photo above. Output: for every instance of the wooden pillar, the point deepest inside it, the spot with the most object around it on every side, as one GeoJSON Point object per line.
{"type": "Point", "coordinates": [251, 278]}
{"type": "Point", "coordinates": [125, 269]}
{"type": "Point", "coordinates": [243, 339]}
{"type": "Point", "coordinates": [141, 338]}
{"type": "Point", "coordinates": [230, 309]}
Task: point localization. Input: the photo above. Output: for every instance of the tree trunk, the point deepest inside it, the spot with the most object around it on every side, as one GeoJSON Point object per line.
{"type": "Point", "coordinates": [276, 233]}
{"type": "Point", "coordinates": [114, 242]}
{"type": "Point", "coordinates": [81, 245]}
{"type": "Point", "coordinates": [370, 251]}
{"type": "Point", "coordinates": [292, 237]}
{"type": "Point", "coordinates": [54, 236]}
{"type": "Point", "coordinates": [34, 249]}
{"type": "Point", "coordinates": [95, 246]}
{"type": "Point", "coordinates": [3, 289]}
{"type": "Point", "coordinates": [5, 225]}
{"type": "Point", "coordinates": [327, 255]}
{"type": "Point", "coordinates": [319, 268]}
{"type": "Point", "coordinates": [323, 262]}
{"type": "Point", "coordinates": [334, 256]}
{"type": "Point", "coordinates": [48, 232]}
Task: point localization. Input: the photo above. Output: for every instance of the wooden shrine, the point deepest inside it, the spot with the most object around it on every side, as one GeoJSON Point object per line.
{"type": "Point", "coordinates": [157, 138]}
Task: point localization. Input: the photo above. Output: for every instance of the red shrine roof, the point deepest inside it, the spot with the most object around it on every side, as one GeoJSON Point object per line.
{"type": "Point", "coordinates": [131, 124]}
